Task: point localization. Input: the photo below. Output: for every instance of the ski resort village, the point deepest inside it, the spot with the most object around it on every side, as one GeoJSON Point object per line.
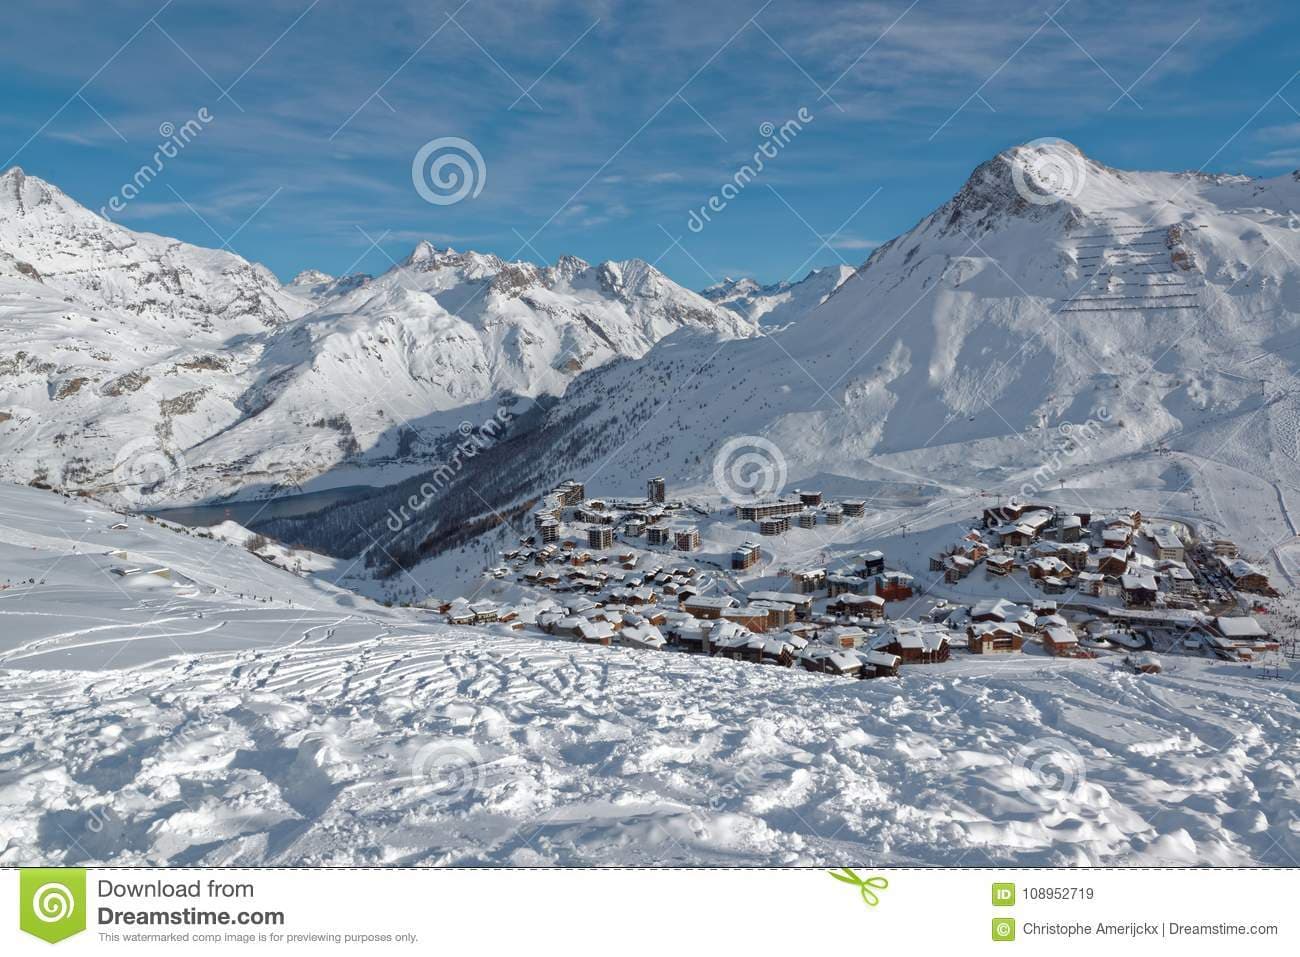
{"type": "Point", "coordinates": [795, 581]}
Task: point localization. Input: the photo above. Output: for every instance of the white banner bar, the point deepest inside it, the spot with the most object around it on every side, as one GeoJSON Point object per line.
{"type": "Point", "coordinates": [653, 912]}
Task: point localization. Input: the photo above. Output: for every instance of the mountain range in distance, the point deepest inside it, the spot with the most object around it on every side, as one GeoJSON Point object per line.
{"type": "Point", "coordinates": [1161, 310]}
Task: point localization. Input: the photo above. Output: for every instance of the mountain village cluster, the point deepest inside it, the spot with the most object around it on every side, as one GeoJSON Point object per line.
{"type": "Point", "coordinates": [634, 572]}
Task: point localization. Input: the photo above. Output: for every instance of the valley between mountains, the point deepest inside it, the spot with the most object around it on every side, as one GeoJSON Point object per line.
{"type": "Point", "coordinates": [237, 513]}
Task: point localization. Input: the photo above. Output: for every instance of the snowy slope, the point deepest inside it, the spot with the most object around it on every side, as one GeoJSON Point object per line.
{"type": "Point", "coordinates": [780, 302]}
{"type": "Point", "coordinates": [144, 369]}
{"type": "Point", "coordinates": [1161, 307]}
{"type": "Point", "coordinates": [241, 715]}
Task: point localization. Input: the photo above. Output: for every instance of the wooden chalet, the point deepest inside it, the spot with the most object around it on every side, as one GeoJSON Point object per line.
{"type": "Point", "coordinates": [1112, 561]}
{"type": "Point", "coordinates": [1140, 590]}
{"type": "Point", "coordinates": [1060, 640]}
{"type": "Point", "coordinates": [879, 664]}
{"type": "Point", "coordinates": [993, 638]}
{"type": "Point", "coordinates": [754, 617]}
{"type": "Point", "coordinates": [914, 642]}
{"type": "Point", "coordinates": [779, 613]}
{"type": "Point", "coordinates": [851, 605]}
{"type": "Point", "coordinates": [999, 563]}
{"type": "Point", "coordinates": [1247, 577]}
{"type": "Point", "coordinates": [801, 603]}
{"type": "Point", "coordinates": [957, 567]}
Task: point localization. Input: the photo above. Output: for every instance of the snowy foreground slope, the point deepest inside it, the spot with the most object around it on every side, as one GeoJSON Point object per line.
{"type": "Point", "coordinates": [239, 714]}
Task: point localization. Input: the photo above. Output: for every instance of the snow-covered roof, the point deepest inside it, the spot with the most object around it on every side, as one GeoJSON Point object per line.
{"type": "Point", "coordinates": [1240, 568]}
{"type": "Point", "coordinates": [1165, 538]}
{"type": "Point", "coordinates": [879, 658]}
{"type": "Point", "coordinates": [999, 608]}
{"type": "Point", "coordinates": [644, 634]}
{"type": "Point", "coordinates": [1061, 635]}
{"type": "Point", "coordinates": [711, 601]}
{"type": "Point", "coordinates": [1239, 627]}
{"type": "Point", "coordinates": [785, 597]}
{"type": "Point", "coordinates": [724, 630]}
{"type": "Point", "coordinates": [1138, 581]}
{"type": "Point", "coordinates": [852, 599]}
{"type": "Point", "coordinates": [595, 629]}
{"type": "Point", "coordinates": [908, 633]}
{"type": "Point", "coordinates": [844, 660]}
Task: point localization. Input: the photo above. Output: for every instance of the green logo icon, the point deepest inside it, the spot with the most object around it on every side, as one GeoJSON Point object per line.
{"type": "Point", "coordinates": [866, 887]}
{"type": "Point", "coordinates": [1004, 928]}
{"type": "Point", "coordinates": [52, 902]}
{"type": "Point", "coordinates": [1004, 895]}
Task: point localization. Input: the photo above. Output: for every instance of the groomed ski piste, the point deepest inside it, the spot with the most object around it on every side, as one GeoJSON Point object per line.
{"type": "Point", "coordinates": [168, 698]}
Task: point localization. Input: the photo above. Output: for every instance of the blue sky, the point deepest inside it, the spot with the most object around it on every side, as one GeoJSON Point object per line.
{"type": "Point", "coordinates": [602, 124]}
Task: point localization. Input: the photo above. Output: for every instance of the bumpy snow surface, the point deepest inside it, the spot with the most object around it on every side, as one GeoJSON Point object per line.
{"type": "Point", "coordinates": [239, 714]}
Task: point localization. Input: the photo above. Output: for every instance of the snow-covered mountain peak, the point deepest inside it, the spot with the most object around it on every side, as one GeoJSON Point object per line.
{"type": "Point", "coordinates": [320, 287]}
{"type": "Point", "coordinates": [1029, 182]}
{"type": "Point", "coordinates": [565, 269]}
{"type": "Point", "coordinates": [149, 281]}
{"type": "Point", "coordinates": [22, 194]}
{"type": "Point", "coordinates": [730, 288]}
{"type": "Point", "coordinates": [632, 277]}
{"type": "Point", "coordinates": [424, 251]}
{"type": "Point", "coordinates": [311, 277]}
{"type": "Point", "coordinates": [1164, 306]}
{"type": "Point", "coordinates": [780, 302]}
{"type": "Point", "coordinates": [426, 257]}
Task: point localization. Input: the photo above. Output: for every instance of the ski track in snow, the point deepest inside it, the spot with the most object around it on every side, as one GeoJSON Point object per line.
{"type": "Point", "coordinates": [240, 715]}
{"type": "Point", "coordinates": [463, 748]}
